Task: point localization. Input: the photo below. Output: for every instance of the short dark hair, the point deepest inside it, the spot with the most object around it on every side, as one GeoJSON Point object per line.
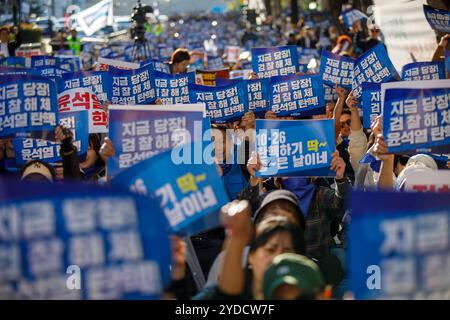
{"type": "Point", "coordinates": [180, 55]}
{"type": "Point", "coordinates": [278, 225]}
{"type": "Point", "coordinates": [346, 111]}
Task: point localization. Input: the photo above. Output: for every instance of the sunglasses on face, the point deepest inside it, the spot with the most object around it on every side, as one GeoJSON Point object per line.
{"type": "Point", "coordinates": [348, 123]}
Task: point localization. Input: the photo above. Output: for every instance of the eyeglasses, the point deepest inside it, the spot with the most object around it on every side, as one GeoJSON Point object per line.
{"type": "Point", "coordinates": [374, 30]}
{"type": "Point", "coordinates": [348, 123]}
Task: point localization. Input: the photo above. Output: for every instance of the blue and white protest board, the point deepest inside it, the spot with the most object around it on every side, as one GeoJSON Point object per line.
{"type": "Point", "coordinates": [274, 61]}
{"type": "Point", "coordinates": [139, 132]}
{"type": "Point", "coordinates": [336, 69]}
{"type": "Point", "coordinates": [13, 62]}
{"type": "Point", "coordinates": [258, 95]}
{"type": "Point", "coordinates": [18, 71]}
{"type": "Point", "coordinates": [447, 61]}
{"type": "Point", "coordinates": [98, 82]}
{"type": "Point", "coordinates": [28, 106]}
{"type": "Point", "coordinates": [163, 52]}
{"type": "Point", "coordinates": [371, 102]}
{"type": "Point", "coordinates": [305, 55]}
{"type": "Point", "coordinates": [295, 147]}
{"type": "Point", "coordinates": [190, 194]}
{"type": "Point", "coordinates": [417, 71]}
{"type": "Point", "coordinates": [83, 99]}
{"type": "Point", "coordinates": [48, 151]}
{"type": "Point", "coordinates": [351, 16]}
{"type": "Point", "coordinates": [372, 66]}
{"type": "Point", "coordinates": [223, 104]}
{"type": "Point", "coordinates": [215, 63]}
{"type": "Point", "coordinates": [329, 94]}
{"type": "Point", "coordinates": [69, 63]}
{"type": "Point", "coordinates": [157, 65]}
{"type": "Point", "coordinates": [81, 242]}
{"type": "Point", "coordinates": [51, 72]}
{"type": "Point", "coordinates": [399, 246]}
{"type": "Point", "coordinates": [416, 116]}
{"type": "Point", "coordinates": [132, 86]}
{"type": "Point", "coordinates": [438, 19]}
{"type": "Point", "coordinates": [297, 95]}
{"type": "Point", "coordinates": [43, 61]}
{"type": "Point", "coordinates": [104, 64]}
{"type": "Point", "coordinates": [173, 89]}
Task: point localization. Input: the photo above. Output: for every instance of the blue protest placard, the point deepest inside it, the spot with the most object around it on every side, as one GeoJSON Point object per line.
{"type": "Point", "coordinates": [329, 94]}
{"type": "Point", "coordinates": [215, 63]}
{"type": "Point", "coordinates": [447, 61]}
{"type": "Point", "coordinates": [48, 151]}
{"type": "Point", "coordinates": [274, 61]}
{"type": "Point", "coordinates": [336, 69]}
{"type": "Point", "coordinates": [416, 116]}
{"type": "Point", "coordinates": [157, 65]}
{"type": "Point", "coordinates": [295, 147]}
{"type": "Point", "coordinates": [18, 71]}
{"type": "Point", "coordinates": [305, 55]}
{"type": "Point", "coordinates": [51, 72]}
{"type": "Point", "coordinates": [43, 61]}
{"type": "Point", "coordinates": [140, 132]}
{"type": "Point", "coordinates": [190, 195]}
{"type": "Point", "coordinates": [223, 104]}
{"type": "Point", "coordinates": [372, 66]}
{"type": "Point", "coordinates": [99, 82]}
{"type": "Point", "coordinates": [438, 19]}
{"type": "Point", "coordinates": [132, 86]}
{"type": "Point", "coordinates": [258, 95]}
{"type": "Point", "coordinates": [28, 106]}
{"type": "Point", "coordinates": [163, 52]}
{"type": "Point", "coordinates": [297, 95]}
{"type": "Point", "coordinates": [81, 242]}
{"type": "Point", "coordinates": [371, 102]}
{"type": "Point", "coordinates": [399, 245]}
{"type": "Point", "coordinates": [13, 62]}
{"type": "Point", "coordinates": [173, 89]}
{"type": "Point", "coordinates": [417, 71]}
{"type": "Point", "coordinates": [69, 63]}
{"type": "Point", "coordinates": [351, 16]}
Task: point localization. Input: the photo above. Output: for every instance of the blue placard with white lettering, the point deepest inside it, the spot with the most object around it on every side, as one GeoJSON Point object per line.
{"type": "Point", "coordinates": [336, 69]}
{"type": "Point", "coordinates": [81, 242]}
{"type": "Point", "coordinates": [104, 52]}
{"type": "Point", "coordinates": [28, 106]}
{"type": "Point", "coordinates": [351, 16]}
{"type": "Point", "coordinates": [417, 71]}
{"type": "Point", "coordinates": [98, 81]}
{"type": "Point", "coordinates": [372, 66]}
{"type": "Point", "coordinates": [18, 71]}
{"type": "Point", "coordinates": [297, 95]}
{"type": "Point", "coordinates": [274, 61]}
{"type": "Point", "coordinates": [128, 53]}
{"type": "Point", "coordinates": [223, 104]}
{"type": "Point", "coordinates": [329, 94]}
{"type": "Point", "coordinates": [173, 89]}
{"type": "Point", "coordinates": [190, 194]}
{"type": "Point", "coordinates": [447, 61]}
{"type": "Point", "coordinates": [399, 245]}
{"type": "Point", "coordinates": [43, 61]}
{"type": "Point", "coordinates": [48, 151]}
{"type": "Point", "coordinates": [144, 131]}
{"type": "Point", "coordinates": [13, 62]}
{"type": "Point", "coordinates": [215, 63]}
{"type": "Point", "coordinates": [132, 86]}
{"type": "Point", "coordinates": [418, 118]}
{"type": "Point", "coordinates": [163, 52]}
{"type": "Point", "coordinates": [157, 65]}
{"type": "Point", "coordinates": [69, 63]}
{"type": "Point", "coordinates": [371, 102]}
{"type": "Point", "coordinates": [51, 72]}
{"type": "Point", "coordinates": [438, 19]}
{"type": "Point", "coordinates": [295, 147]}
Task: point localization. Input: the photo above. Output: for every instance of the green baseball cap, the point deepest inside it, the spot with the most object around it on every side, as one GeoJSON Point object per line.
{"type": "Point", "coordinates": [293, 269]}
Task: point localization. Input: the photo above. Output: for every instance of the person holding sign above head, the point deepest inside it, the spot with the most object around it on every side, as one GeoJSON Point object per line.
{"type": "Point", "coordinates": [181, 59]}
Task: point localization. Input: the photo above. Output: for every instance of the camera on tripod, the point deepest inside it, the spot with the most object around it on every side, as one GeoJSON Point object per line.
{"type": "Point", "coordinates": [139, 17]}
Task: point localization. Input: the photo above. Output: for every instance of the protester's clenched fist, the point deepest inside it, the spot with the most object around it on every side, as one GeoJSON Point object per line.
{"type": "Point", "coordinates": [235, 217]}
{"type": "Point", "coordinates": [338, 165]}
{"type": "Point", "coordinates": [107, 150]}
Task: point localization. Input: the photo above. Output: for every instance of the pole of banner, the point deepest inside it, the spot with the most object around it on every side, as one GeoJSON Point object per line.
{"type": "Point", "coordinates": [194, 265]}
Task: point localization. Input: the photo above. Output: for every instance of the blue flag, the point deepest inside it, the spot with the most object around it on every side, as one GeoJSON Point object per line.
{"type": "Point", "coordinates": [416, 116]}
{"type": "Point", "coordinates": [190, 195]}
{"type": "Point", "coordinates": [371, 102]}
{"type": "Point", "coordinates": [223, 104]}
{"type": "Point", "coordinates": [99, 82]}
{"type": "Point", "coordinates": [132, 86]}
{"type": "Point", "coordinates": [173, 89]}
{"type": "Point", "coordinates": [373, 66]}
{"type": "Point", "coordinates": [399, 245]}
{"type": "Point", "coordinates": [274, 61]}
{"type": "Point", "coordinates": [28, 106]}
{"type": "Point", "coordinates": [144, 131]}
{"type": "Point", "coordinates": [81, 242]}
{"type": "Point", "coordinates": [351, 16]}
{"type": "Point", "coordinates": [13, 62]}
{"type": "Point", "coordinates": [417, 71]}
{"type": "Point", "coordinates": [297, 95]}
{"type": "Point", "coordinates": [295, 147]}
{"type": "Point", "coordinates": [336, 69]}
{"type": "Point", "coordinates": [48, 151]}
{"type": "Point", "coordinates": [438, 19]}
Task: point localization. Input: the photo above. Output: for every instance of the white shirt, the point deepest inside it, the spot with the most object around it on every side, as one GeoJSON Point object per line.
{"type": "Point", "coordinates": [4, 49]}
